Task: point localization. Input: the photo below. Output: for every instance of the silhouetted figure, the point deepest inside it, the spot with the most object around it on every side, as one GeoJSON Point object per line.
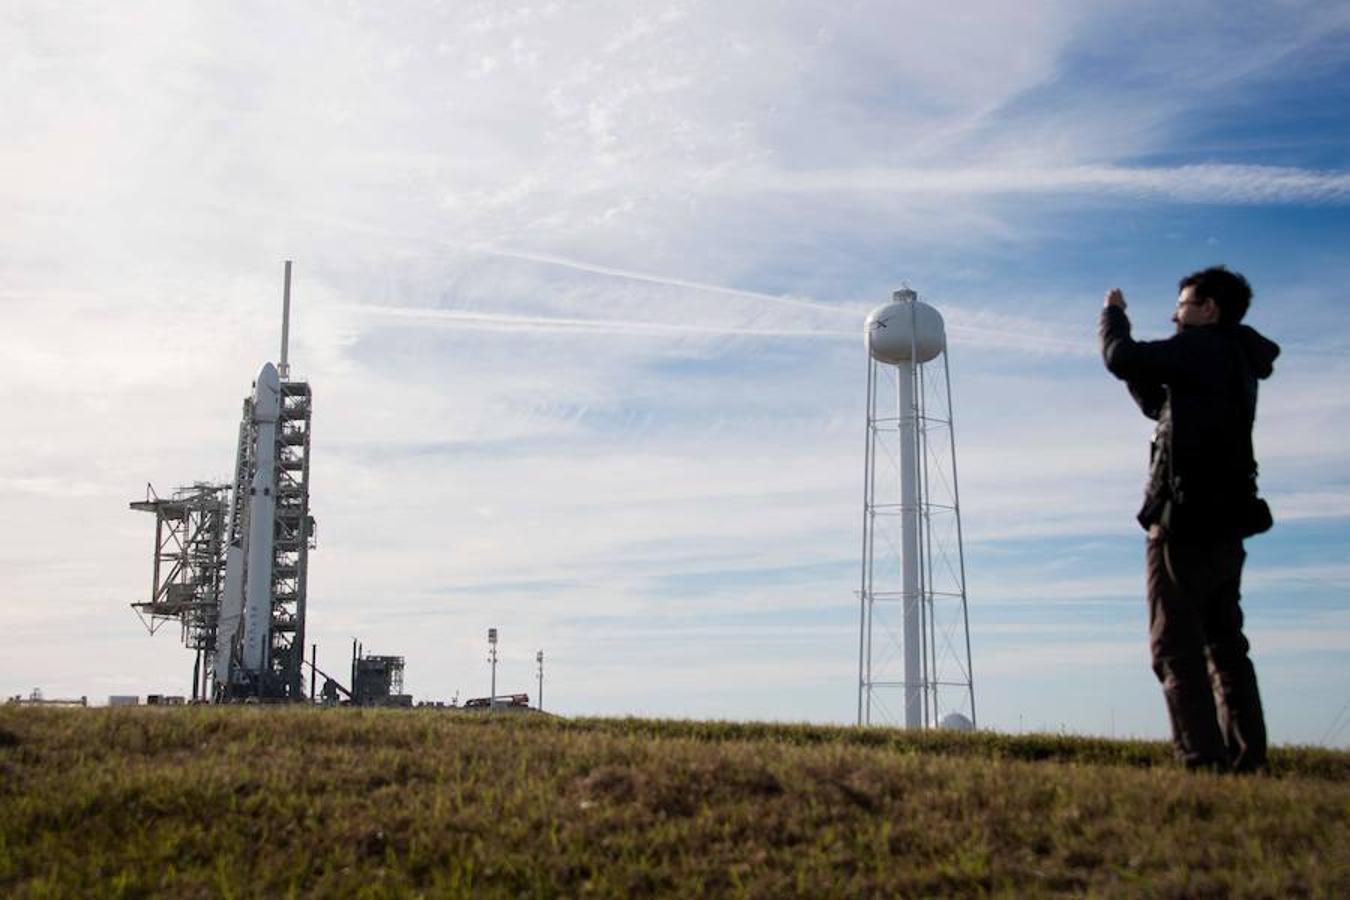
{"type": "Point", "coordinates": [1201, 501]}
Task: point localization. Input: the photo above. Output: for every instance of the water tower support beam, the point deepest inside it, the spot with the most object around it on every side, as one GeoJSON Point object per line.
{"type": "Point", "coordinates": [909, 544]}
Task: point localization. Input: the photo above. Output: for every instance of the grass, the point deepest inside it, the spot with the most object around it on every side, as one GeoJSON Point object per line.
{"type": "Point", "coordinates": [249, 801]}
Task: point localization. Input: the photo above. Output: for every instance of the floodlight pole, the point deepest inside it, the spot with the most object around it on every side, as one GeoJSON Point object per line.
{"type": "Point", "coordinates": [539, 658]}
{"type": "Point", "coordinates": [492, 658]}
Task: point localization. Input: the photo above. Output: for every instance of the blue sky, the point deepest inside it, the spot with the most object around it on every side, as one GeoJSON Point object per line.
{"type": "Point", "coordinates": [580, 292]}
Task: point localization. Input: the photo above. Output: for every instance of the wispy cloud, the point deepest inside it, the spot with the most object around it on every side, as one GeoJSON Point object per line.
{"type": "Point", "coordinates": [661, 280]}
{"type": "Point", "coordinates": [507, 322]}
{"type": "Point", "coordinates": [1204, 183]}
{"type": "Point", "coordinates": [971, 329]}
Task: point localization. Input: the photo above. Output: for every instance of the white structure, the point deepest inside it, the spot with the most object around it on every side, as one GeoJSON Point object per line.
{"type": "Point", "coordinates": [914, 665]}
{"type": "Point", "coordinates": [262, 510]}
{"type": "Point", "coordinates": [956, 722]}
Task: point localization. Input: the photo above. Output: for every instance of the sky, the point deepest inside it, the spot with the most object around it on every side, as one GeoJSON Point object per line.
{"type": "Point", "coordinates": [580, 292]}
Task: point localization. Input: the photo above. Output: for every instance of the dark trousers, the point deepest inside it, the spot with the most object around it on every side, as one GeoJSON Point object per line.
{"type": "Point", "coordinates": [1200, 653]}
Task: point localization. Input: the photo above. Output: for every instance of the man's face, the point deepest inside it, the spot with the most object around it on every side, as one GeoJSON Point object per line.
{"type": "Point", "coordinates": [1193, 310]}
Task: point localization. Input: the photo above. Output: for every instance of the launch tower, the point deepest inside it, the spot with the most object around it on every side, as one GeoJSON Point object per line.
{"type": "Point", "coordinates": [234, 571]}
{"type": "Point", "coordinates": [261, 632]}
{"type": "Point", "coordinates": [189, 569]}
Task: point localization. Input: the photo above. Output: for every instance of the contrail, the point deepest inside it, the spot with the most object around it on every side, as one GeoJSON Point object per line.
{"type": "Point", "coordinates": [488, 321]}
{"type": "Point", "coordinates": [506, 322]}
{"type": "Point", "coordinates": [487, 249]}
{"type": "Point", "coordinates": [1005, 337]}
{"type": "Point", "coordinates": [649, 278]}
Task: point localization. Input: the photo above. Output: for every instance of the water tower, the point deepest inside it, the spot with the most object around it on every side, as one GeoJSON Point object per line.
{"type": "Point", "coordinates": [914, 664]}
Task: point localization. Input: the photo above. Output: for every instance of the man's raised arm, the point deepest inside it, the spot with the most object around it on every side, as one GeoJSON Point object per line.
{"type": "Point", "coordinates": [1146, 365]}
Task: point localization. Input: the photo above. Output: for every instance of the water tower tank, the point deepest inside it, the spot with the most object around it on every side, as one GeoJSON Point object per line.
{"type": "Point", "coordinates": [906, 326]}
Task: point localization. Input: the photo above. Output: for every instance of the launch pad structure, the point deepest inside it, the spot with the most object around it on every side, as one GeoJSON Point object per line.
{"type": "Point", "coordinates": [231, 561]}
{"type": "Point", "coordinates": [189, 568]}
{"type": "Point", "coordinates": [261, 633]}
{"type": "Point", "coordinates": [378, 681]}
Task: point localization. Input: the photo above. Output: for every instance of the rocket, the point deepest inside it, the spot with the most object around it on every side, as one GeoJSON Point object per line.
{"type": "Point", "coordinates": [260, 626]}
{"type": "Point", "coordinates": [246, 605]}
{"type": "Point", "coordinates": [262, 506]}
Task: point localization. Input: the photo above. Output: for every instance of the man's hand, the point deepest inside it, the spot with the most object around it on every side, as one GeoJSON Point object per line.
{"type": "Point", "coordinates": [1115, 297]}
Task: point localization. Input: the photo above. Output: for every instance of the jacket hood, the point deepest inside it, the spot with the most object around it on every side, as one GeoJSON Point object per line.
{"type": "Point", "coordinates": [1259, 350]}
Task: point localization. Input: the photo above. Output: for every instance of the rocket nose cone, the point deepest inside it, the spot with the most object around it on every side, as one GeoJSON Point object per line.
{"type": "Point", "coordinates": [267, 394]}
{"type": "Point", "coordinates": [268, 376]}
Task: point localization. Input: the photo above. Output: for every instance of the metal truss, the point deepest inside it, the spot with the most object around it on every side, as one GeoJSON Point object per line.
{"type": "Point", "coordinates": [189, 568]}
{"type": "Point", "coordinates": [293, 538]}
{"type": "Point", "coordinates": [945, 681]}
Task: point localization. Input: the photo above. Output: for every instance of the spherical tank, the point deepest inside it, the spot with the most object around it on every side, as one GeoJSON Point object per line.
{"type": "Point", "coordinates": [956, 722]}
{"type": "Point", "coordinates": [907, 326]}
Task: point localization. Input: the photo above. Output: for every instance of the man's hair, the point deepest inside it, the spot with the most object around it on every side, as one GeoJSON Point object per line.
{"type": "Point", "coordinates": [1228, 289]}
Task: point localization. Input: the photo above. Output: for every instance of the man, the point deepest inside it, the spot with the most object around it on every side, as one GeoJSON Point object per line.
{"type": "Point", "coordinates": [1201, 501]}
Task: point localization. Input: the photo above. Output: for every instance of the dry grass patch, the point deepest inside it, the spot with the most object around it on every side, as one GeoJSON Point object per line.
{"type": "Point", "coordinates": [249, 802]}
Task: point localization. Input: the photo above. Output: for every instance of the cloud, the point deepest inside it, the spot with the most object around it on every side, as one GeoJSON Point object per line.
{"type": "Point", "coordinates": [1208, 183]}
{"type": "Point", "coordinates": [506, 322]}
{"type": "Point", "coordinates": [972, 328]}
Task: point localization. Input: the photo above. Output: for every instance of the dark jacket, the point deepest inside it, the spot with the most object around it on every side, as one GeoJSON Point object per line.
{"type": "Point", "coordinates": [1200, 386]}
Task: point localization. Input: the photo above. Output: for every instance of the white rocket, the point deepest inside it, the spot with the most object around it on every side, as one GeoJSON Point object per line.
{"type": "Point", "coordinates": [262, 507]}
{"type": "Point", "coordinates": [262, 579]}
{"type": "Point", "coordinates": [246, 607]}
{"type": "Point", "coordinates": [231, 612]}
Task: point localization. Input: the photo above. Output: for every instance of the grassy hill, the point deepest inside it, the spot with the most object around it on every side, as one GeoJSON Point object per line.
{"type": "Point", "coordinates": [252, 801]}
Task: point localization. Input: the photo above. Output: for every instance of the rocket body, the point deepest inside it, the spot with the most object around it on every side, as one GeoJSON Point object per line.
{"type": "Point", "coordinates": [262, 502]}
{"type": "Point", "coordinates": [230, 622]}
{"type": "Point", "coordinates": [231, 612]}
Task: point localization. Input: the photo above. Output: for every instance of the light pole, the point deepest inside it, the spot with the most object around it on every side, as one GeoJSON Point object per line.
{"type": "Point", "coordinates": [492, 658]}
{"type": "Point", "coordinates": [539, 658]}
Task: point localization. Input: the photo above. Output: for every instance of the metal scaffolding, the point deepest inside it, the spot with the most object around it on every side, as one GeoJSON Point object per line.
{"type": "Point", "coordinates": [189, 569]}
{"type": "Point", "coordinates": [378, 681]}
{"type": "Point", "coordinates": [293, 537]}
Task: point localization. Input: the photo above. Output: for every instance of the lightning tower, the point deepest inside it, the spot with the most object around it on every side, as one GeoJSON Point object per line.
{"type": "Point", "coordinates": [914, 662]}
